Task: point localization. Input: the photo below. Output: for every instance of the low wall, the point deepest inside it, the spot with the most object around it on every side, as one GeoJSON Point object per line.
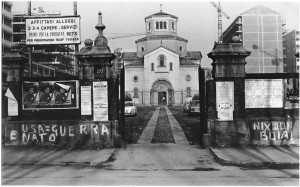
{"type": "Point", "coordinates": [254, 131]}
{"type": "Point", "coordinates": [79, 134]}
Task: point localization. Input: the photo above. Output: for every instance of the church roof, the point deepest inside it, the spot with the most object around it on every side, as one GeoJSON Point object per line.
{"type": "Point", "coordinates": [161, 14]}
{"type": "Point", "coordinates": [158, 37]}
{"type": "Point", "coordinates": [259, 9]}
{"type": "Point", "coordinates": [129, 55]}
{"type": "Point", "coordinates": [193, 55]}
{"type": "Point", "coordinates": [173, 51]}
{"type": "Point", "coordinates": [136, 63]}
{"type": "Point", "coordinates": [188, 63]}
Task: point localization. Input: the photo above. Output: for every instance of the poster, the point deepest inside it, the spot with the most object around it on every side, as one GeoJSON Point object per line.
{"type": "Point", "coordinates": [45, 95]}
{"type": "Point", "coordinates": [53, 30]}
{"type": "Point", "coordinates": [100, 101]}
{"type": "Point", "coordinates": [225, 99]}
{"type": "Point", "coordinates": [86, 100]}
{"type": "Point", "coordinates": [291, 93]}
{"type": "Point", "coordinates": [12, 103]}
{"type": "Point", "coordinates": [264, 93]}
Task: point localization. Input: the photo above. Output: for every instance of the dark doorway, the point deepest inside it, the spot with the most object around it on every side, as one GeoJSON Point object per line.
{"type": "Point", "coordinates": [162, 98]}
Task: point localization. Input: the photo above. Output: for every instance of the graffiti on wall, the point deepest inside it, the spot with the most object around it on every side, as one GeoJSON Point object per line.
{"type": "Point", "coordinates": [272, 130]}
{"type": "Point", "coordinates": [51, 132]}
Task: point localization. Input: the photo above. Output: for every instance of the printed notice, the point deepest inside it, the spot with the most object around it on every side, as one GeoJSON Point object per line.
{"type": "Point", "coordinates": [100, 101]}
{"type": "Point", "coordinates": [12, 103]}
{"type": "Point", "coordinates": [264, 93]}
{"type": "Point", "coordinates": [49, 30]}
{"type": "Point", "coordinates": [225, 99]}
{"type": "Point", "coordinates": [86, 100]}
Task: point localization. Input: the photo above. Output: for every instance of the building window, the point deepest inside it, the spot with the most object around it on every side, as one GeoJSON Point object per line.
{"type": "Point", "coordinates": [173, 26]}
{"type": "Point", "coordinates": [180, 48]}
{"type": "Point", "coordinates": [161, 59]}
{"type": "Point", "coordinates": [161, 25]}
{"type": "Point", "coordinates": [142, 49]}
{"type": "Point", "coordinates": [149, 26]}
{"type": "Point", "coordinates": [188, 92]}
{"type": "Point", "coordinates": [152, 66]}
{"type": "Point", "coordinates": [135, 93]}
{"type": "Point", "coordinates": [135, 78]}
{"type": "Point", "coordinates": [188, 77]}
{"type": "Point", "coordinates": [171, 66]}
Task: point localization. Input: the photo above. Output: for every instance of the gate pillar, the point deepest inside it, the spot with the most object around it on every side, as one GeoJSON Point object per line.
{"type": "Point", "coordinates": [229, 65]}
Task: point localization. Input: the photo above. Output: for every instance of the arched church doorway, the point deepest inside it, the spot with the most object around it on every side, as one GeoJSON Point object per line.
{"type": "Point", "coordinates": [162, 93]}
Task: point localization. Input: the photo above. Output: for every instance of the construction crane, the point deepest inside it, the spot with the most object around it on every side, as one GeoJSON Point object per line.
{"type": "Point", "coordinates": [220, 13]}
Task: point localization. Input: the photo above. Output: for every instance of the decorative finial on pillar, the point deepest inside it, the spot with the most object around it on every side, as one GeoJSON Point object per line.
{"type": "Point", "coordinates": [160, 7]}
{"type": "Point", "coordinates": [100, 39]}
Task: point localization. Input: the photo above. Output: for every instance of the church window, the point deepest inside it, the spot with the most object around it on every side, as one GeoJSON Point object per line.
{"type": "Point", "coordinates": [161, 25]}
{"type": "Point", "coordinates": [142, 49]}
{"type": "Point", "coordinates": [152, 66]}
{"type": "Point", "coordinates": [188, 77]}
{"type": "Point", "coordinates": [173, 26]}
{"type": "Point", "coordinates": [135, 93]}
{"type": "Point", "coordinates": [180, 48]}
{"type": "Point", "coordinates": [149, 26]}
{"type": "Point", "coordinates": [135, 78]}
{"type": "Point", "coordinates": [171, 66]}
{"type": "Point", "coordinates": [188, 92]}
{"type": "Point", "coordinates": [161, 59]}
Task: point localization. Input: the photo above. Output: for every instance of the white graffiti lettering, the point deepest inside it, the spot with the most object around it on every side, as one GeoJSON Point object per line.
{"type": "Point", "coordinates": [83, 129]}
{"type": "Point", "coordinates": [71, 129]}
{"type": "Point", "coordinates": [13, 135]}
{"type": "Point", "coordinates": [104, 130]}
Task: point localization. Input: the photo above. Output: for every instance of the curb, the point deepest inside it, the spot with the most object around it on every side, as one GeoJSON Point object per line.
{"type": "Point", "coordinates": [93, 164]}
{"type": "Point", "coordinates": [257, 165]}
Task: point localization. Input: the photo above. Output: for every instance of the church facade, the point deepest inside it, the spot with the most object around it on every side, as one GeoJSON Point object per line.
{"type": "Point", "coordinates": [161, 71]}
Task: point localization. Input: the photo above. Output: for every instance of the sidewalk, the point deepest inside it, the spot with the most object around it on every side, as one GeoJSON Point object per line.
{"type": "Point", "coordinates": [276, 157]}
{"type": "Point", "coordinates": [29, 156]}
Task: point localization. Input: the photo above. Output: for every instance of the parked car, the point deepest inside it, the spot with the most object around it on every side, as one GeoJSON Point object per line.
{"type": "Point", "coordinates": [194, 107]}
{"type": "Point", "coordinates": [130, 109]}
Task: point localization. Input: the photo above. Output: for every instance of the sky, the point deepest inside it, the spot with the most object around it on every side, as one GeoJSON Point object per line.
{"type": "Point", "coordinates": [197, 19]}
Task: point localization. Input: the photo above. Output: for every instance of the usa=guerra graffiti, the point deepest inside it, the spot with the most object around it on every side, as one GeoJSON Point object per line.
{"type": "Point", "coordinates": [272, 130]}
{"type": "Point", "coordinates": [50, 133]}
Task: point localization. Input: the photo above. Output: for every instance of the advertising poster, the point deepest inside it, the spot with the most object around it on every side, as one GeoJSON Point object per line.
{"type": "Point", "coordinates": [86, 100]}
{"type": "Point", "coordinates": [45, 95]}
{"type": "Point", "coordinates": [264, 93]}
{"type": "Point", "coordinates": [291, 93]}
{"type": "Point", "coordinates": [51, 30]}
{"type": "Point", "coordinates": [225, 99]}
{"type": "Point", "coordinates": [100, 99]}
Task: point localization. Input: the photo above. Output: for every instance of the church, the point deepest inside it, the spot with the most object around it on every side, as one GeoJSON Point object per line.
{"type": "Point", "coordinates": [161, 71]}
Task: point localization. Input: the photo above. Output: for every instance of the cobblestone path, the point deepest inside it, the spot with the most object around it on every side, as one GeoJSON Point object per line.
{"type": "Point", "coordinates": [163, 132]}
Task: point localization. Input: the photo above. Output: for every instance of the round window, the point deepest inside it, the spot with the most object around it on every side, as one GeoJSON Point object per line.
{"type": "Point", "coordinates": [135, 78]}
{"type": "Point", "coordinates": [188, 77]}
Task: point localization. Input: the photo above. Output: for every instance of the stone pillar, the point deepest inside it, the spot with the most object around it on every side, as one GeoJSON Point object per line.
{"type": "Point", "coordinates": [95, 65]}
{"type": "Point", "coordinates": [229, 65]}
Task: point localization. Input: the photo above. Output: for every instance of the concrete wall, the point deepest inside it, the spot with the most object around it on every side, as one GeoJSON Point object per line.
{"type": "Point", "coordinates": [254, 131]}
{"type": "Point", "coordinates": [86, 134]}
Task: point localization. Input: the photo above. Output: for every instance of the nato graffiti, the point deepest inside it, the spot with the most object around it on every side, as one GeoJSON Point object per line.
{"type": "Point", "coordinates": [272, 130]}
{"type": "Point", "coordinates": [50, 133]}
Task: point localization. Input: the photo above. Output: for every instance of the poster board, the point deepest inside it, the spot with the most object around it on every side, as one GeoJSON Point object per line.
{"type": "Point", "coordinates": [225, 99]}
{"type": "Point", "coordinates": [264, 93]}
{"type": "Point", "coordinates": [53, 30]}
{"type": "Point", "coordinates": [48, 95]}
{"type": "Point", "coordinates": [100, 98]}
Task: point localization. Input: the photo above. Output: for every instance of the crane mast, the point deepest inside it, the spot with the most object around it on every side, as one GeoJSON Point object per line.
{"type": "Point", "coordinates": [220, 13]}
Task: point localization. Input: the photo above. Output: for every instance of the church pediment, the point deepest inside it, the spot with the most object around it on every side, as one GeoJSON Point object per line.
{"type": "Point", "coordinates": [162, 48]}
